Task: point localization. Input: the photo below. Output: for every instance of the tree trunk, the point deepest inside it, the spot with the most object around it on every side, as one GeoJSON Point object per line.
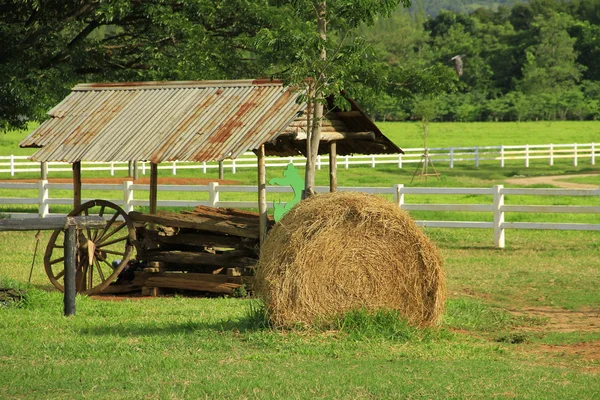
{"type": "Point", "coordinates": [314, 134]}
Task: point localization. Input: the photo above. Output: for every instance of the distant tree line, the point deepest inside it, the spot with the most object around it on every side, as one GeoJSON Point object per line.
{"type": "Point", "coordinates": [533, 61]}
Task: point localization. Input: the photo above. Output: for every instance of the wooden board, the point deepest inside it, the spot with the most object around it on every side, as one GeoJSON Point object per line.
{"type": "Point", "coordinates": [203, 223]}
{"type": "Point", "coordinates": [154, 240]}
{"type": "Point", "coordinates": [189, 257]}
{"type": "Point", "coordinates": [190, 281]}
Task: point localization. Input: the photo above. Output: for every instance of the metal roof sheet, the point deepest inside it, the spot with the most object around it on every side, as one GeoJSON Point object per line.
{"type": "Point", "coordinates": [164, 121]}
{"type": "Point", "coordinates": [188, 121]}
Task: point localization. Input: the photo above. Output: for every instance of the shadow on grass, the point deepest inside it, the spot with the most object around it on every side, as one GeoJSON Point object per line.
{"type": "Point", "coordinates": [254, 321]}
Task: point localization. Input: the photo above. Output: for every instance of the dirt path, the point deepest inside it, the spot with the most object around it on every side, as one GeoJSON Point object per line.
{"type": "Point", "coordinates": [554, 180]}
{"type": "Point", "coordinates": [559, 320]}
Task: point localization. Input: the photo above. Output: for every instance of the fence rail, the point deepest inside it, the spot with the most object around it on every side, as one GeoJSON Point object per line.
{"type": "Point", "coordinates": [497, 208]}
{"type": "Point", "coordinates": [576, 152]}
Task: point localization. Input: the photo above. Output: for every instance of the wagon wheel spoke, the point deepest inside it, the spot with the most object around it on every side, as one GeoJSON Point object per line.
{"type": "Point", "coordinates": [90, 274]}
{"type": "Point", "coordinates": [60, 274]}
{"type": "Point", "coordinates": [102, 244]}
{"type": "Point", "coordinates": [109, 264]}
{"type": "Point", "coordinates": [109, 234]}
{"type": "Point", "coordinates": [99, 268]}
{"type": "Point", "coordinates": [57, 260]}
{"type": "Point", "coordinates": [107, 226]}
{"type": "Point", "coordinates": [116, 253]}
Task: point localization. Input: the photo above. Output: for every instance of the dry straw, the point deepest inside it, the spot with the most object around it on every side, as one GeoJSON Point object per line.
{"type": "Point", "coordinates": [345, 251]}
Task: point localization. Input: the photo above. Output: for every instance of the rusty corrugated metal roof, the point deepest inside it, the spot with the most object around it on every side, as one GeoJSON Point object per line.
{"type": "Point", "coordinates": [191, 121]}
{"type": "Point", "coordinates": [164, 121]}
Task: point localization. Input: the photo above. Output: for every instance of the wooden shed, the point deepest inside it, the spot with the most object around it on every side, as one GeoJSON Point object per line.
{"type": "Point", "coordinates": [193, 121]}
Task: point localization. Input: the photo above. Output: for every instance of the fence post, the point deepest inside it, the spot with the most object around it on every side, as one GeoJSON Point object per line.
{"type": "Point", "coordinates": [44, 169]}
{"type": "Point", "coordinates": [70, 246]}
{"type": "Point", "coordinates": [451, 157]}
{"type": "Point", "coordinates": [44, 209]}
{"type": "Point", "coordinates": [12, 165]}
{"type": "Point", "coordinates": [526, 156]}
{"type": "Point", "coordinates": [112, 169]}
{"type": "Point", "coordinates": [400, 160]}
{"type": "Point", "coordinates": [233, 166]}
{"type": "Point", "coordinates": [498, 216]}
{"type": "Point", "coordinates": [143, 167]}
{"type": "Point", "coordinates": [574, 154]}
{"type": "Point", "coordinates": [593, 160]}
{"type": "Point", "coordinates": [213, 193]}
{"type": "Point", "coordinates": [174, 166]}
{"type": "Point", "coordinates": [399, 195]}
{"type": "Point", "coordinates": [318, 162]}
{"type": "Point", "coordinates": [346, 163]}
{"type": "Point", "coordinates": [551, 154]}
{"type": "Point", "coordinates": [372, 161]}
{"type": "Point", "coordinates": [127, 196]}
{"type": "Point", "coordinates": [477, 156]}
{"type": "Point", "coordinates": [204, 167]}
{"type": "Point", "coordinates": [502, 156]}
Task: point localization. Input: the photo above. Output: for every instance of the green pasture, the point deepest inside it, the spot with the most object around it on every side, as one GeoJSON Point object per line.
{"type": "Point", "coordinates": [469, 134]}
{"type": "Point", "coordinates": [492, 341]}
{"type": "Point", "coordinates": [188, 348]}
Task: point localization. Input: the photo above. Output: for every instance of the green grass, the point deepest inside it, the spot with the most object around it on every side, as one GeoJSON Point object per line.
{"type": "Point", "coordinates": [176, 347]}
{"type": "Point", "coordinates": [590, 180]}
{"type": "Point", "coordinates": [469, 134]}
{"type": "Point", "coordinates": [179, 347]}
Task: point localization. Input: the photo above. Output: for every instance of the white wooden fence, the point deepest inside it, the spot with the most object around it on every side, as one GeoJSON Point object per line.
{"type": "Point", "coordinates": [472, 155]}
{"type": "Point", "coordinates": [497, 209]}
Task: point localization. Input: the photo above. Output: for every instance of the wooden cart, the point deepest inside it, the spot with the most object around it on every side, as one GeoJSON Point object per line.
{"type": "Point", "coordinates": [208, 250]}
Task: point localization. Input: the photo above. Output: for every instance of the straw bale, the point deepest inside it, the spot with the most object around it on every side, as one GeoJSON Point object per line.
{"type": "Point", "coordinates": [343, 251]}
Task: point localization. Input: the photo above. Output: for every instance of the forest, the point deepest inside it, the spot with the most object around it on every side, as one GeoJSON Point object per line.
{"type": "Point", "coordinates": [516, 61]}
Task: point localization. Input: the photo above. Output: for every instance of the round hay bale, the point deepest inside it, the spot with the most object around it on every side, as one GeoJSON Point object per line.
{"type": "Point", "coordinates": [344, 251]}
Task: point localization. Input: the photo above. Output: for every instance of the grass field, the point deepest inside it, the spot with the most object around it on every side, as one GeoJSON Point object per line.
{"type": "Point", "coordinates": [468, 134]}
{"type": "Point", "coordinates": [522, 322]}
{"type": "Point", "coordinates": [501, 336]}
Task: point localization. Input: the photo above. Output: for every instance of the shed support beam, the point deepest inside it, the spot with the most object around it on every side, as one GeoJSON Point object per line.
{"type": "Point", "coordinates": [44, 170]}
{"type": "Point", "coordinates": [221, 170]}
{"type": "Point", "coordinates": [262, 194]}
{"type": "Point", "coordinates": [153, 187]}
{"type": "Point", "coordinates": [332, 167]}
{"type": "Point", "coordinates": [136, 172]}
{"type": "Point", "coordinates": [76, 184]}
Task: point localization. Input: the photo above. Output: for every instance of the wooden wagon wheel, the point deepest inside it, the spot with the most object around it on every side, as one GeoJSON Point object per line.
{"type": "Point", "coordinates": [101, 253]}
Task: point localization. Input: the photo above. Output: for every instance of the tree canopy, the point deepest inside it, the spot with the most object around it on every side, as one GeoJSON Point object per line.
{"type": "Point", "coordinates": [534, 60]}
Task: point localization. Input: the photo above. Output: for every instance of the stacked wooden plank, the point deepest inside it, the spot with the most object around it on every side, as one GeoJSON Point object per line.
{"type": "Point", "coordinates": [208, 249]}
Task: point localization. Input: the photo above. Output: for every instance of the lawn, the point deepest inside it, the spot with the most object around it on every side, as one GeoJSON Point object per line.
{"type": "Point", "coordinates": [498, 337]}
{"type": "Point", "coordinates": [522, 322]}
{"type": "Point", "coordinates": [469, 134]}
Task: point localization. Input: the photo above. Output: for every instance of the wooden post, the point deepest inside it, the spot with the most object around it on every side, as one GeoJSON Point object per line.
{"type": "Point", "coordinates": [221, 170]}
{"type": "Point", "coordinates": [44, 208]}
{"type": "Point", "coordinates": [44, 170]}
{"type": "Point", "coordinates": [76, 184]}
{"type": "Point", "coordinates": [153, 187]}
{"type": "Point", "coordinates": [399, 195]}
{"type": "Point", "coordinates": [70, 263]}
{"type": "Point", "coordinates": [332, 167]}
{"type": "Point", "coordinates": [262, 194]}
{"type": "Point", "coordinates": [136, 171]}
{"type": "Point", "coordinates": [498, 216]}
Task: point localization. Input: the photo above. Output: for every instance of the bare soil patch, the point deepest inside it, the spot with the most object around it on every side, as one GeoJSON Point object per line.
{"type": "Point", "coordinates": [587, 351]}
{"type": "Point", "coordinates": [559, 320]}
{"type": "Point", "coordinates": [553, 180]}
